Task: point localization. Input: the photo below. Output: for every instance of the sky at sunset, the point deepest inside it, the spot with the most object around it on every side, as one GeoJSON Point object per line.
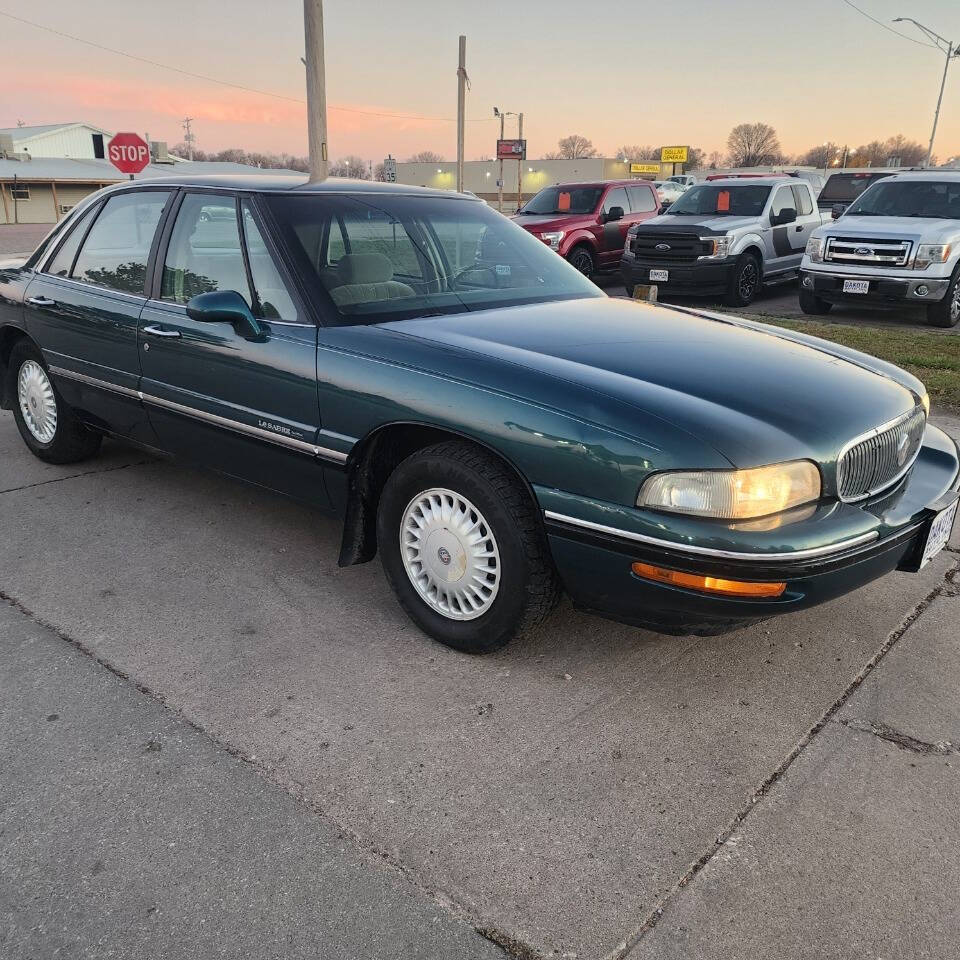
{"type": "Point", "coordinates": [637, 72]}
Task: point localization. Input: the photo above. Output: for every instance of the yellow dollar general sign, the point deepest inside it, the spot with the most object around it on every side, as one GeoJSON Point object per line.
{"type": "Point", "coordinates": [673, 154]}
{"type": "Point", "coordinates": [644, 167]}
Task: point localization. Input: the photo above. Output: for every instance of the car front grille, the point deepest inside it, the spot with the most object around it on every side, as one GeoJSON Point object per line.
{"type": "Point", "coordinates": [869, 464]}
{"type": "Point", "coordinates": [678, 246]}
{"type": "Point", "coordinates": [867, 251]}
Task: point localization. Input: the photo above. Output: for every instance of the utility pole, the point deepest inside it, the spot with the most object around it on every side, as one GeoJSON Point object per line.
{"type": "Point", "coordinates": [316, 88]}
{"type": "Point", "coordinates": [520, 161]}
{"type": "Point", "coordinates": [497, 113]}
{"type": "Point", "coordinates": [952, 52]}
{"type": "Point", "coordinates": [188, 137]}
{"type": "Point", "coordinates": [463, 81]}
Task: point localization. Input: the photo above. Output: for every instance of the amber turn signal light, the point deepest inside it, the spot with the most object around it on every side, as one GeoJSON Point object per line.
{"type": "Point", "coordinates": [694, 581]}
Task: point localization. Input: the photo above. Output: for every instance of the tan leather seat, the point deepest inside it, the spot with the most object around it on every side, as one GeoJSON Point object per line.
{"type": "Point", "coordinates": [367, 278]}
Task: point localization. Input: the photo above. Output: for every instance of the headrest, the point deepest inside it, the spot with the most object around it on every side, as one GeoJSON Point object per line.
{"type": "Point", "coordinates": [364, 268]}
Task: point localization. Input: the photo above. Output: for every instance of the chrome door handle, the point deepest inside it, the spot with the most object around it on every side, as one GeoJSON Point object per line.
{"type": "Point", "coordinates": [41, 302]}
{"type": "Point", "coordinates": [154, 331]}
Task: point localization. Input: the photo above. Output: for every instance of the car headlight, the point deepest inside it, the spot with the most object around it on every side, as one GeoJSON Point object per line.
{"type": "Point", "coordinates": [928, 253]}
{"type": "Point", "coordinates": [628, 241]}
{"type": "Point", "coordinates": [814, 249]}
{"type": "Point", "coordinates": [925, 400]}
{"type": "Point", "coordinates": [721, 247]}
{"type": "Point", "coordinates": [553, 237]}
{"type": "Point", "coordinates": [733, 494]}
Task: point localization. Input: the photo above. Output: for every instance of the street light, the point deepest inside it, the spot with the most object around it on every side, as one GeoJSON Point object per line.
{"type": "Point", "coordinates": [952, 52]}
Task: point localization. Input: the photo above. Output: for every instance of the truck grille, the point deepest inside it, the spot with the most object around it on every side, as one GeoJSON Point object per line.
{"type": "Point", "coordinates": [867, 251]}
{"type": "Point", "coordinates": [876, 461]}
{"type": "Point", "coordinates": [679, 246]}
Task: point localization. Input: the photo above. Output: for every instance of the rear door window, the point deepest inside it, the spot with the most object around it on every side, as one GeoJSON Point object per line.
{"type": "Point", "coordinates": [117, 248]}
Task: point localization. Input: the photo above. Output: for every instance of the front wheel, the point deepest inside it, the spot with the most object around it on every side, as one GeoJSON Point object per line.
{"type": "Point", "coordinates": [744, 283]}
{"type": "Point", "coordinates": [46, 423]}
{"type": "Point", "coordinates": [581, 258]}
{"type": "Point", "coordinates": [946, 313]}
{"type": "Point", "coordinates": [812, 305]}
{"type": "Point", "coordinates": [463, 548]}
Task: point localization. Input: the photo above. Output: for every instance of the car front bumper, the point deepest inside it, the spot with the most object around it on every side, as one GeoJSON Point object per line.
{"type": "Point", "coordinates": [828, 551]}
{"type": "Point", "coordinates": [695, 277]}
{"type": "Point", "coordinates": [883, 289]}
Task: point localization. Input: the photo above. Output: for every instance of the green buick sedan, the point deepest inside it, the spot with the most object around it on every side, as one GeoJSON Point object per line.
{"type": "Point", "coordinates": [483, 417]}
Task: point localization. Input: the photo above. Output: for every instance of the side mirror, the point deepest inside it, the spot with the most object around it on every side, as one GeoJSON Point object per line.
{"type": "Point", "coordinates": [786, 215]}
{"type": "Point", "coordinates": [836, 211]}
{"type": "Point", "coordinates": [225, 306]}
{"type": "Point", "coordinates": [665, 203]}
{"type": "Point", "coordinates": [614, 213]}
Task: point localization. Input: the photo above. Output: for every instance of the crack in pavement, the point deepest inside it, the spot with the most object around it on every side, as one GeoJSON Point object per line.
{"type": "Point", "coordinates": [631, 942]}
{"type": "Point", "coordinates": [512, 947]}
{"type": "Point", "coordinates": [75, 476]}
{"type": "Point", "coordinates": [899, 739]}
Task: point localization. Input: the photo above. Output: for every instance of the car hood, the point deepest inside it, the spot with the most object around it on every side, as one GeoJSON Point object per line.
{"type": "Point", "coordinates": [929, 230]}
{"type": "Point", "coordinates": [550, 221]}
{"type": "Point", "coordinates": [754, 394]}
{"type": "Point", "coordinates": [697, 224]}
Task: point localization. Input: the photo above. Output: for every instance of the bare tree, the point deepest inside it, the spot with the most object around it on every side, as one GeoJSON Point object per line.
{"type": "Point", "coordinates": [821, 155]}
{"type": "Point", "coordinates": [910, 153]}
{"type": "Point", "coordinates": [351, 166]}
{"type": "Point", "coordinates": [872, 154]}
{"type": "Point", "coordinates": [426, 156]}
{"type": "Point", "coordinates": [716, 159]}
{"type": "Point", "coordinates": [753, 144]}
{"type": "Point", "coordinates": [553, 155]}
{"type": "Point", "coordinates": [638, 154]}
{"type": "Point", "coordinates": [695, 158]}
{"type": "Point", "coordinates": [574, 147]}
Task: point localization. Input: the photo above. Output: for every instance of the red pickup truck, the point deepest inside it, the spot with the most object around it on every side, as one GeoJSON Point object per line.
{"type": "Point", "coordinates": [587, 223]}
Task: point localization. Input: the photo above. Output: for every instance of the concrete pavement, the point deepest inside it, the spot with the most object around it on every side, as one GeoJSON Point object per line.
{"type": "Point", "coordinates": [566, 795]}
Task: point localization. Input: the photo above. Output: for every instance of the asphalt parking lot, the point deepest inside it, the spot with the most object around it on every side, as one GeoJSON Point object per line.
{"type": "Point", "coordinates": [214, 742]}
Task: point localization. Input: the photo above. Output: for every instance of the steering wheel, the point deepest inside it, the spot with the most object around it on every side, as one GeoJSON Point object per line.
{"type": "Point", "coordinates": [474, 267]}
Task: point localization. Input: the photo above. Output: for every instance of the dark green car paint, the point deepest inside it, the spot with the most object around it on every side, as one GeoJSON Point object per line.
{"type": "Point", "coordinates": [584, 398]}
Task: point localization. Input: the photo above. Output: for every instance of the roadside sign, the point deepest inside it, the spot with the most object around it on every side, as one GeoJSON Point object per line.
{"type": "Point", "coordinates": [673, 154]}
{"type": "Point", "coordinates": [511, 149]}
{"type": "Point", "coordinates": [128, 152]}
{"type": "Point", "coordinates": [390, 170]}
{"type": "Point", "coordinates": [644, 167]}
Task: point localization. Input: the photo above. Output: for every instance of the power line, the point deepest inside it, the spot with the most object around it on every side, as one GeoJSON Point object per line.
{"type": "Point", "coordinates": [227, 83]}
{"type": "Point", "coordinates": [885, 26]}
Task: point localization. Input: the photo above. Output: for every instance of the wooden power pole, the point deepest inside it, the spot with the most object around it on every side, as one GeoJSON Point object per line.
{"type": "Point", "coordinates": [316, 88]}
{"type": "Point", "coordinates": [462, 82]}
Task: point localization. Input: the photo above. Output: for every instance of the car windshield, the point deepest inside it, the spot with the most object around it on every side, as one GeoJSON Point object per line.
{"type": "Point", "coordinates": [844, 187]}
{"type": "Point", "coordinates": [933, 199]}
{"type": "Point", "coordinates": [722, 200]}
{"type": "Point", "coordinates": [564, 200]}
{"type": "Point", "coordinates": [379, 257]}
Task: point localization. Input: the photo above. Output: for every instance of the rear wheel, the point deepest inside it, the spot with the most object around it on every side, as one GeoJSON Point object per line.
{"type": "Point", "coordinates": [744, 282]}
{"type": "Point", "coordinates": [946, 313]}
{"type": "Point", "coordinates": [463, 548]}
{"type": "Point", "coordinates": [813, 305]}
{"type": "Point", "coordinates": [581, 258]}
{"type": "Point", "coordinates": [45, 422]}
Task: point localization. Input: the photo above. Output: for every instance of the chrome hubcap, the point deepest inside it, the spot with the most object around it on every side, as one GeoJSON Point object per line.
{"type": "Point", "coordinates": [450, 554]}
{"type": "Point", "coordinates": [748, 280]}
{"type": "Point", "coordinates": [37, 401]}
{"type": "Point", "coordinates": [955, 302]}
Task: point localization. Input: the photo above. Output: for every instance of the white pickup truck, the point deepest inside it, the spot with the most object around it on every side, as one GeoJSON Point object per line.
{"type": "Point", "coordinates": [898, 242]}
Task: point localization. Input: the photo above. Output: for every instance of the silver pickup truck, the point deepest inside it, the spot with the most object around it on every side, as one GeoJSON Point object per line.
{"type": "Point", "coordinates": [897, 243]}
{"type": "Point", "coordinates": [724, 237]}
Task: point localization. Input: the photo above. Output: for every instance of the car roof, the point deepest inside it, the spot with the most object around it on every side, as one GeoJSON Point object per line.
{"type": "Point", "coordinates": [771, 181]}
{"type": "Point", "coordinates": [598, 183]}
{"type": "Point", "coordinates": [273, 183]}
{"type": "Point", "coordinates": [950, 176]}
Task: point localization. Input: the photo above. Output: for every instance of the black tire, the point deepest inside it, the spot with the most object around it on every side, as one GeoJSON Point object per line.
{"type": "Point", "coordinates": [812, 305]}
{"type": "Point", "coordinates": [629, 287]}
{"type": "Point", "coordinates": [527, 586]}
{"type": "Point", "coordinates": [745, 281]}
{"type": "Point", "coordinates": [581, 258]}
{"type": "Point", "coordinates": [946, 312]}
{"type": "Point", "coordinates": [71, 440]}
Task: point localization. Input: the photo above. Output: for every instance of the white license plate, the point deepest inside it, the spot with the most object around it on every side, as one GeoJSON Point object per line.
{"type": "Point", "coordinates": [939, 532]}
{"type": "Point", "coordinates": [659, 275]}
{"type": "Point", "coordinates": [856, 286]}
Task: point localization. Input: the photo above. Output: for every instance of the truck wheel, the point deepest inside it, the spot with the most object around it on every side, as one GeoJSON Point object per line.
{"type": "Point", "coordinates": [463, 548]}
{"type": "Point", "coordinates": [813, 305]}
{"type": "Point", "coordinates": [47, 425]}
{"type": "Point", "coordinates": [744, 282]}
{"type": "Point", "coordinates": [581, 258]}
{"type": "Point", "coordinates": [946, 312]}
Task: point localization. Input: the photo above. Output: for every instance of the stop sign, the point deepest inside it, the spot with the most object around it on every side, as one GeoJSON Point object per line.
{"type": "Point", "coordinates": [128, 152]}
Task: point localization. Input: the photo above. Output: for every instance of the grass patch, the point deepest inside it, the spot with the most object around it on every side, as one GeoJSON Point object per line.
{"type": "Point", "coordinates": [933, 357]}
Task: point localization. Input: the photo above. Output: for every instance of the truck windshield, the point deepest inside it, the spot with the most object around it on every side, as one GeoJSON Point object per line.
{"type": "Point", "coordinates": [933, 199]}
{"type": "Point", "coordinates": [722, 200]}
{"type": "Point", "coordinates": [844, 187]}
{"type": "Point", "coordinates": [373, 258]}
{"type": "Point", "coordinates": [564, 200]}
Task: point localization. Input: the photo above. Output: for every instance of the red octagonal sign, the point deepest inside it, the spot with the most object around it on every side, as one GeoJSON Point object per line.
{"type": "Point", "coordinates": [128, 152]}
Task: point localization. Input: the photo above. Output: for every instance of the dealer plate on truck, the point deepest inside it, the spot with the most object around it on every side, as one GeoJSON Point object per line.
{"type": "Point", "coordinates": [659, 275]}
{"type": "Point", "coordinates": [856, 286]}
{"type": "Point", "coordinates": [939, 532]}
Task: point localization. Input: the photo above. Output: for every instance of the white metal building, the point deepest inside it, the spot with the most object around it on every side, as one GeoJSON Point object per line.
{"type": "Point", "coordinates": [78, 141]}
